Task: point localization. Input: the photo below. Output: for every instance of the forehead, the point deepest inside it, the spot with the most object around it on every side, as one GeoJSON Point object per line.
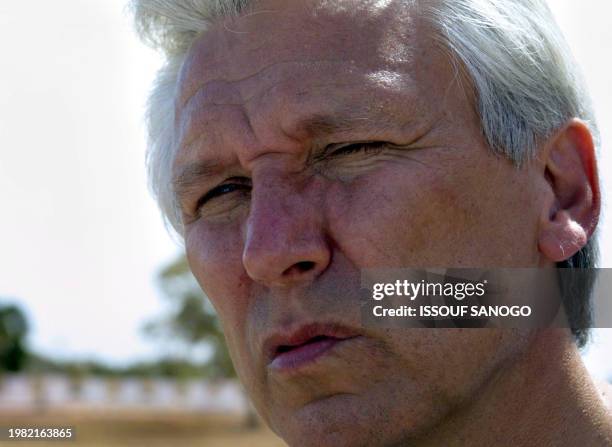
{"type": "Point", "coordinates": [280, 66]}
{"type": "Point", "coordinates": [299, 36]}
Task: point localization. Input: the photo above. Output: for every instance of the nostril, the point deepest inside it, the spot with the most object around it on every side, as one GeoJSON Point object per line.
{"type": "Point", "coordinates": [300, 267]}
{"type": "Point", "coordinates": [304, 266]}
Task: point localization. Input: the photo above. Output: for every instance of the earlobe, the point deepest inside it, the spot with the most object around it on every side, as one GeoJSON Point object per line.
{"type": "Point", "coordinates": [562, 237]}
{"type": "Point", "coordinates": [572, 211]}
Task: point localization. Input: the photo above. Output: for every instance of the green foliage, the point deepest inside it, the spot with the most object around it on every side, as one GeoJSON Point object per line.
{"type": "Point", "coordinates": [169, 368]}
{"type": "Point", "coordinates": [192, 320]}
{"type": "Point", "coordinates": [13, 329]}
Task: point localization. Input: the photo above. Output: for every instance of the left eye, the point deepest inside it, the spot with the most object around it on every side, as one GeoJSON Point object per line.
{"type": "Point", "coordinates": [371, 147]}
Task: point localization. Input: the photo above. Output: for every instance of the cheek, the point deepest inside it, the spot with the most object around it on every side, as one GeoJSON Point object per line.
{"type": "Point", "coordinates": [453, 215]}
{"type": "Point", "coordinates": [396, 217]}
{"type": "Point", "coordinates": [215, 259]}
{"type": "Point", "coordinates": [454, 363]}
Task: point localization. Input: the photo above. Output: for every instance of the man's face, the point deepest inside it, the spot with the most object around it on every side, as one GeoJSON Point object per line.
{"type": "Point", "coordinates": [319, 138]}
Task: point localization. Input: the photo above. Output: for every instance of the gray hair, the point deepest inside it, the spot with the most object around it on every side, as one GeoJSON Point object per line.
{"type": "Point", "coordinates": [524, 77]}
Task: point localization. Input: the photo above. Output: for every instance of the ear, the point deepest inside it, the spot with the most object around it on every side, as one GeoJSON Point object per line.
{"type": "Point", "coordinates": [571, 213]}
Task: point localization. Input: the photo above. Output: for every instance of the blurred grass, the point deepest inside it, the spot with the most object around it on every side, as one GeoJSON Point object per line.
{"type": "Point", "coordinates": [143, 428]}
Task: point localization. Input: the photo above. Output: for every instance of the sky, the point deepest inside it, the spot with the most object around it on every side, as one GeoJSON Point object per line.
{"type": "Point", "coordinates": [81, 240]}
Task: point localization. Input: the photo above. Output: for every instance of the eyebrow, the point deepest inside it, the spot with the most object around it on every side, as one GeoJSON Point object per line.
{"type": "Point", "coordinates": [192, 175]}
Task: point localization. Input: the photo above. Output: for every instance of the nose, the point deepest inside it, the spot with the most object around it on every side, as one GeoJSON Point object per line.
{"type": "Point", "coordinates": [286, 241]}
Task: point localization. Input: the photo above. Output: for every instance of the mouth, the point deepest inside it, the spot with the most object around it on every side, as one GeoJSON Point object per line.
{"type": "Point", "coordinates": [306, 345]}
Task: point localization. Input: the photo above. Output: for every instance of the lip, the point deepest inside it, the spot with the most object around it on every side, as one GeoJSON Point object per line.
{"type": "Point", "coordinates": [290, 350]}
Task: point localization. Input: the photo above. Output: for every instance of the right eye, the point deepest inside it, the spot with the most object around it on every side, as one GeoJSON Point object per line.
{"type": "Point", "coordinates": [224, 196]}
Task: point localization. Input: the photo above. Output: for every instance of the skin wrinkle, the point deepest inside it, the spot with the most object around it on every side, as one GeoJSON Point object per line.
{"type": "Point", "coordinates": [339, 126]}
{"type": "Point", "coordinates": [262, 94]}
{"type": "Point", "coordinates": [393, 60]}
{"type": "Point", "coordinates": [321, 124]}
{"type": "Point", "coordinates": [186, 98]}
{"type": "Point", "coordinates": [187, 92]}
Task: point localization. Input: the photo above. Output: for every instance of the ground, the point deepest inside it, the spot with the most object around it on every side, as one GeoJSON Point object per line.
{"type": "Point", "coordinates": [104, 429]}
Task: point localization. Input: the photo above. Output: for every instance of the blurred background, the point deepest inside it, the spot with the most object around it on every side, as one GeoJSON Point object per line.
{"type": "Point", "coordinates": [101, 325]}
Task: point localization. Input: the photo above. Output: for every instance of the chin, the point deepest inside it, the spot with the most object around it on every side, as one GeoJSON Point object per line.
{"type": "Point", "coordinates": [344, 420]}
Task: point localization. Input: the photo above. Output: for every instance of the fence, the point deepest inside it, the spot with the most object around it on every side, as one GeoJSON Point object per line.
{"type": "Point", "coordinates": [48, 392]}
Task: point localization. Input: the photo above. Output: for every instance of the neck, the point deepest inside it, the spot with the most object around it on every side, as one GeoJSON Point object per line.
{"type": "Point", "coordinates": [545, 397]}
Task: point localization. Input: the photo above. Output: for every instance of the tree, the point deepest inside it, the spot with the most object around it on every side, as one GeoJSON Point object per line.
{"type": "Point", "coordinates": [193, 320]}
{"type": "Point", "coordinates": [13, 329]}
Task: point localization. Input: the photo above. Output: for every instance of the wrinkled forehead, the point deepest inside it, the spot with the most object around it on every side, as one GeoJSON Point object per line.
{"type": "Point", "coordinates": [369, 35]}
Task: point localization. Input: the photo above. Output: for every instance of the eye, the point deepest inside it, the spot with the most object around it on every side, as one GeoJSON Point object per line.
{"type": "Point", "coordinates": [232, 185]}
{"type": "Point", "coordinates": [372, 147]}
